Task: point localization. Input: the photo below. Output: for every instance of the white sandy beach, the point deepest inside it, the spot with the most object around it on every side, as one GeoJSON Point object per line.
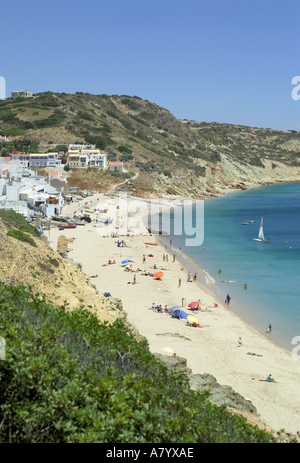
{"type": "Point", "coordinates": [212, 349]}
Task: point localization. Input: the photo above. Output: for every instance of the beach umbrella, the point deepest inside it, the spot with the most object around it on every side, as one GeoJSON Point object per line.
{"type": "Point", "coordinates": [125, 262]}
{"type": "Point", "coordinates": [193, 304]}
{"type": "Point", "coordinates": [158, 275]}
{"type": "Point", "coordinates": [192, 319]}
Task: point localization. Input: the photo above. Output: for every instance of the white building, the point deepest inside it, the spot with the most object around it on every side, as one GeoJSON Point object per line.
{"type": "Point", "coordinates": [87, 157]}
{"type": "Point", "coordinates": [21, 94]}
{"type": "Point", "coordinates": [44, 160]}
{"type": "Point", "coordinates": [37, 159]}
{"type": "Point", "coordinates": [97, 160]}
{"type": "Point", "coordinates": [116, 166]}
{"type": "Point", "coordinates": [29, 192]}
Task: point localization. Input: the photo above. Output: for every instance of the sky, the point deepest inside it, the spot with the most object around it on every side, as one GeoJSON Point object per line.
{"type": "Point", "coordinates": [226, 61]}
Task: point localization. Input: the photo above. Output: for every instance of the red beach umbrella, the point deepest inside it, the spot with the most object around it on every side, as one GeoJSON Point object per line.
{"type": "Point", "coordinates": [158, 275]}
{"type": "Point", "coordinates": [193, 304]}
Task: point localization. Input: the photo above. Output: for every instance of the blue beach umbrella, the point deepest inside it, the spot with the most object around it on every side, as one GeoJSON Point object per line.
{"type": "Point", "coordinates": [180, 314]}
{"type": "Point", "coordinates": [125, 262]}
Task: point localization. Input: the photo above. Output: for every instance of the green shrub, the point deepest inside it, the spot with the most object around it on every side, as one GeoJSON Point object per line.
{"type": "Point", "coordinates": [256, 161]}
{"type": "Point", "coordinates": [21, 236]}
{"type": "Point", "coordinates": [18, 221]}
{"type": "Point", "coordinates": [68, 378]}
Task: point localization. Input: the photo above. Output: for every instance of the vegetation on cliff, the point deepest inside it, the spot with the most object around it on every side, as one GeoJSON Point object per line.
{"type": "Point", "coordinates": [69, 378]}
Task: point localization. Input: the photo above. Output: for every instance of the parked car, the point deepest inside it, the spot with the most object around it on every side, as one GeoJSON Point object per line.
{"type": "Point", "coordinates": [85, 218]}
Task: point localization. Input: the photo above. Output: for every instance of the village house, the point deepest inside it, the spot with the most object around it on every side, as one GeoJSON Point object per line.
{"type": "Point", "coordinates": [44, 160]}
{"type": "Point", "coordinates": [37, 160]}
{"type": "Point", "coordinates": [18, 192]}
{"type": "Point", "coordinates": [73, 158]}
{"type": "Point", "coordinates": [116, 166]}
{"type": "Point", "coordinates": [83, 160]}
{"type": "Point", "coordinates": [98, 160]}
{"type": "Point", "coordinates": [22, 94]}
{"type": "Point", "coordinates": [87, 157]}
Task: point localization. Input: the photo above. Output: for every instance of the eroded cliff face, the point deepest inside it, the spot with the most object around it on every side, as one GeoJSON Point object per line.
{"type": "Point", "coordinates": [225, 176]}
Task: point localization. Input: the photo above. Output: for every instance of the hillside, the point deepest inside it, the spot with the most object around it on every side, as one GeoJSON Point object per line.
{"type": "Point", "coordinates": [56, 280]}
{"type": "Point", "coordinates": [173, 157]}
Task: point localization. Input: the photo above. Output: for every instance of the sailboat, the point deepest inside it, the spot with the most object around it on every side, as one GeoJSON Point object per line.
{"type": "Point", "coordinates": [261, 236]}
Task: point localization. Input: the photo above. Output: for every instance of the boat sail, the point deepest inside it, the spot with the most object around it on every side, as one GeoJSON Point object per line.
{"type": "Point", "coordinates": [261, 236]}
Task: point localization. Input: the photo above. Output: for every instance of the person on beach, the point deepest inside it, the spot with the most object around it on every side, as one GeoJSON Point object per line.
{"type": "Point", "coordinates": [220, 271]}
{"type": "Point", "coordinates": [188, 277]}
{"type": "Point", "coordinates": [239, 342]}
{"type": "Point", "coordinates": [228, 299]}
{"type": "Point", "coordinates": [269, 328]}
{"type": "Point", "coordinates": [144, 259]}
{"type": "Point", "coordinates": [179, 283]}
{"type": "Point", "coordinates": [270, 379]}
{"type": "Point", "coordinates": [153, 306]}
{"type": "Point", "coordinates": [167, 258]}
{"type": "Point", "coordinates": [174, 257]}
{"type": "Point", "coordinates": [134, 279]}
{"type": "Point", "coordinates": [170, 242]}
{"type": "Point", "coordinates": [245, 286]}
{"type": "Point", "coordinates": [195, 277]}
{"type": "Point", "coordinates": [164, 257]}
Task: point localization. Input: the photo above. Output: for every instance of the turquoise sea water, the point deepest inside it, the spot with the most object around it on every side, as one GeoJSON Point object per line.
{"type": "Point", "coordinates": [270, 270]}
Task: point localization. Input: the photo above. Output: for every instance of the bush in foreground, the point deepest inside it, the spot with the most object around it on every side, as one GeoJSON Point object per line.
{"type": "Point", "coordinates": [69, 378]}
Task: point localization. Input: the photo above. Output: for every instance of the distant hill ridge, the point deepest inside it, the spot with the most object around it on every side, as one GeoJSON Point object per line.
{"type": "Point", "coordinates": [173, 157]}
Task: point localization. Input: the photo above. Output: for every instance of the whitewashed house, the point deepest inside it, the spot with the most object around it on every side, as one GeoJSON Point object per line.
{"type": "Point", "coordinates": [97, 160]}
{"type": "Point", "coordinates": [116, 166]}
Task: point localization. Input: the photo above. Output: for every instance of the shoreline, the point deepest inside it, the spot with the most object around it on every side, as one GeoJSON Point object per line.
{"type": "Point", "coordinates": [212, 349]}
{"type": "Point", "coordinates": [192, 266]}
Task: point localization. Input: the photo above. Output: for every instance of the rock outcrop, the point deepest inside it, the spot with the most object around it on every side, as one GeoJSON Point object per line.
{"type": "Point", "coordinates": [222, 395]}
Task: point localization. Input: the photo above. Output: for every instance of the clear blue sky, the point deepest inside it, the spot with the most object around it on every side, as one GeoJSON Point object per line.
{"type": "Point", "coordinates": [206, 60]}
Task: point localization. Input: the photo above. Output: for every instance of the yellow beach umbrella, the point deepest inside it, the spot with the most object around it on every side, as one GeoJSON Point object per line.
{"type": "Point", "coordinates": [192, 319]}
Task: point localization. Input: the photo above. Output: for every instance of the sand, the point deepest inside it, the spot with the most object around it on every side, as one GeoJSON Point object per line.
{"type": "Point", "coordinates": [212, 349]}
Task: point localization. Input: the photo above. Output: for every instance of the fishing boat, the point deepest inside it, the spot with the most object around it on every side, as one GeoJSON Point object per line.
{"type": "Point", "coordinates": [247, 222]}
{"type": "Point", "coordinates": [261, 236]}
{"type": "Point", "coordinates": [62, 227]}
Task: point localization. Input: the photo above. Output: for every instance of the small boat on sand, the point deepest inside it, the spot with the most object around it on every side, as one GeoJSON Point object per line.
{"type": "Point", "coordinates": [62, 227]}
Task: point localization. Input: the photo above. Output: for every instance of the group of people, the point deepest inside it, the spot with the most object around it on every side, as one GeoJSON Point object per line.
{"type": "Point", "coordinates": [190, 279]}
{"type": "Point", "coordinates": [121, 244]}
{"type": "Point", "coordinates": [159, 308]}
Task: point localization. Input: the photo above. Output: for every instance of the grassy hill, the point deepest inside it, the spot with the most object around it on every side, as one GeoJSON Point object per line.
{"type": "Point", "coordinates": [178, 156]}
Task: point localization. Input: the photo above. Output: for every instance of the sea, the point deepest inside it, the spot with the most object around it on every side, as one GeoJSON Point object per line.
{"type": "Point", "coordinates": [270, 270]}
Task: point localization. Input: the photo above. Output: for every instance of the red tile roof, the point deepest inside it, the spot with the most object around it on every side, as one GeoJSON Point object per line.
{"type": "Point", "coordinates": [116, 163]}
